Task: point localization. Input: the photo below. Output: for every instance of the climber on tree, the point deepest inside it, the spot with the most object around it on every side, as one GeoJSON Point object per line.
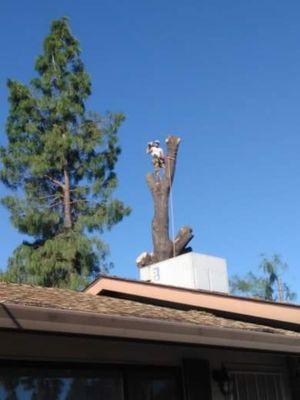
{"type": "Point", "coordinates": [157, 153]}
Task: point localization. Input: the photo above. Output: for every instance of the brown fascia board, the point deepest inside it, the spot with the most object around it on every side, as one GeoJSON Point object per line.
{"type": "Point", "coordinates": [24, 319]}
{"type": "Point", "coordinates": [286, 316]}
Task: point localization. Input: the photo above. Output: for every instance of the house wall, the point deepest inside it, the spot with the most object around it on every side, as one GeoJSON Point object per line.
{"type": "Point", "coordinates": [25, 346]}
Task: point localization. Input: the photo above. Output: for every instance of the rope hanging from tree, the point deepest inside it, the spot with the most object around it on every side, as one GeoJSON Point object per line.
{"type": "Point", "coordinates": [172, 207]}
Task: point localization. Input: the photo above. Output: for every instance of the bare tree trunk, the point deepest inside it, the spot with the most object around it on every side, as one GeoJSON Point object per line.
{"type": "Point", "coordinates": [162, 245]}
{"type": "Point", "coordinates": [160, 187]}
{"type": "Point", "coordinates": [67, 200]}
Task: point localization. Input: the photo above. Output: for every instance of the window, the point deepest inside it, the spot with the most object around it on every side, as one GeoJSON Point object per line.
{"type": "Point", "coordinates": [152, 385]}
{"type": "Point", "coordinates": [103, 383]}
{"type": "Point", "coordinates": [258, 386]}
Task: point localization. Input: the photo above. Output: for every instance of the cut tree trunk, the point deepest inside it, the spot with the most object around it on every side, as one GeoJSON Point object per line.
{"type": "Point", "coordinates": [160, 187]}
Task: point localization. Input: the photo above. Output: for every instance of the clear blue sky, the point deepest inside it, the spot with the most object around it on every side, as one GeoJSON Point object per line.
{"type": "Point", "coordinates": [225, 76]}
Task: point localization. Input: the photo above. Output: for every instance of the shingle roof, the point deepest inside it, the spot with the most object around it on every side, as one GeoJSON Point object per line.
{"type": "Point", "coordinates": [63, 299]}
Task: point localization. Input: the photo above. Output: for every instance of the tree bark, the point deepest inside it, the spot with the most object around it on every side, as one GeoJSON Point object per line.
{"type": "Point", "coordinates": [160, 187]}
{"type": "Point", "coordinates": [67, 200]}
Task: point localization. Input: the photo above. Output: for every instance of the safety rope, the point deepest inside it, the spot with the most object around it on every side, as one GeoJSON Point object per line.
{"type": "Point", "coordinates": [171, 206]}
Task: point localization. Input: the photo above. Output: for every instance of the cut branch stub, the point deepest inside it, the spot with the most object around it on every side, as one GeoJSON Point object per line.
{"type": "Point", "coordinates": [160, 188]}
{"type": "Point", "coordinates": [184, 236]}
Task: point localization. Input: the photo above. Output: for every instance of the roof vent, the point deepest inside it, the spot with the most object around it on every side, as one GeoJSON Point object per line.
{"type": "Point", "coordinates": [190, 270]}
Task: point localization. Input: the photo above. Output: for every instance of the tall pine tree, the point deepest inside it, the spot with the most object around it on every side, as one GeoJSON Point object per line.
{"type": "Point", "coordinates": [60, 162]}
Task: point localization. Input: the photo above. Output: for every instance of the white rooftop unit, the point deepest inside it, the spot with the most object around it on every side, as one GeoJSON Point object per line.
{"type": "Point", "coordinates": [190, 270]}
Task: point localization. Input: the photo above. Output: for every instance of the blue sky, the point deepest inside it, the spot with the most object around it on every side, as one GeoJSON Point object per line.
{"type": "Point", "coordinates": [223, 75]}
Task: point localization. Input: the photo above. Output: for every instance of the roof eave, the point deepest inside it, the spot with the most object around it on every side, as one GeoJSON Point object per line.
{"type": "Point", "coordinates": [284, 315]}
{"type": "Point", "coordinates": [30, 318]}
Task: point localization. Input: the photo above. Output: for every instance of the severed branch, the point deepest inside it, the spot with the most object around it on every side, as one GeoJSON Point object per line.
{"type": "Point", "coordinates": [183, 237]}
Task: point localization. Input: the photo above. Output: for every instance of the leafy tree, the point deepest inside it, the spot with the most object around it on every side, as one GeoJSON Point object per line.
{"type": "Point", "coordinates": [59, 162]}
{"type": "Point", "coordinates": [268, 285]}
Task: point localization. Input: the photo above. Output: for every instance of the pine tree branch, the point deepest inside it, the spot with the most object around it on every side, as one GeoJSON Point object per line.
{"type": "Point", "coordinates": [80, 201]}
{"type": "Point", "coordinates": [55, 181]}
{"type": "Point", "coordinates": [55, 204]}
{"type": "Point", "coordinates": [67, 198]}
{"type": "Point", "coordinates": [51, 196]}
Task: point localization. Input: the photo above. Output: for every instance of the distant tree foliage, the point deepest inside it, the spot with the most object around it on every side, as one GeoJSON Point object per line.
{"type": "Point", "coordinates": [268, 285]}
{"type": "Point", "coordinates": [60, 165]}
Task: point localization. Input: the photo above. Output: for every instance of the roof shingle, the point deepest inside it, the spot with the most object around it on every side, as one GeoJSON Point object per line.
{"type": "Point", "coordinates": [64, 299]}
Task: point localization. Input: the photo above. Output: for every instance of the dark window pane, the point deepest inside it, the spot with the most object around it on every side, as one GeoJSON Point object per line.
{"type": "Point", "coordinates": [103, 383]}
{"type": "Point", "coordinates": [60, 385]}
{"type": "Point", "coordinates": [103, 388]}
{"type": "Point", "coordinates": [153, 385]}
